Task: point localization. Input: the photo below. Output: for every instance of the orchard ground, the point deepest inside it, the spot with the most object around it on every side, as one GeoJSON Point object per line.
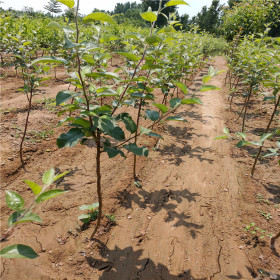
{"type": "Point", "coordinates": [186, 222]}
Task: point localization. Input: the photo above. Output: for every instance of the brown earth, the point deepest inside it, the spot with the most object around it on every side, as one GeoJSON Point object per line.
{"type": "Point", "coordinates": [186, 222]}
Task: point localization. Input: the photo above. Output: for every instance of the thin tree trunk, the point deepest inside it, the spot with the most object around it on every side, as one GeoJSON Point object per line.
{"type": "Point", "coordinates": [25, 128]}
{"type": "Point", "coordinates": [136, 138]}
{"type": "Point", "coordinates": [266, 131]}
{"type": "Point", "coordinates": [246, 107]}
{"type": "Point", "coordinates": [98, 183]}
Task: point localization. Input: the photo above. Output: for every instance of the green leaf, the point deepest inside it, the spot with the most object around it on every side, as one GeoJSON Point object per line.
{"type": "Point", "coordinates": [149, 16]}
{"type": "Point", "coordinates": [181, 86]}
{"type": "Point", "coordinates": [85, 218]}
{"type": "Point", "coordinates": [208, 87]}
{"type": "Point", "coordinates": [68, 3]}
{"type": "Point", "coordinates": [48, 177]}
{"type": "Point", "coordinates": [139, 151]}
{"type": "Point", "coordinates": [89, 207]}
{"type": "Point", "coordinates": [175, 3]}
{"type": "Point", "coordinates": [98, 16]}
{"type": "Point", "coordinates": [176, 118]}
{"type": "Point", "coordinates": [144, 130]}
{"type": "Point", "coordinates": [243, 143]}
{"type": "Point", "coordinates": [79, 122]}
{"type": "Point", "coordinates": [152, 115]}
{"type": "Point", "coordinates": [49, 59]}
{"type": "Point", "coordinates": [60, 175]}
{"type": "Point", "coordinates": [193, 100]}
{"type": "Point", "coordinates": [265, 136]}
{"type": "Point", "coordinates": [18, 251]}
{"type": "Point", "coordinates": [117, 133]}
{"type": "Point", "coordinates": [226, 130]}
{"type": "Point", "coordinates": [154, 39]}
{"type": "Point", "coordinates": [166, 29]}
{"type": "Point", "coordinates": [206, 79]}
{"type": "Point", "coordinates": [107, 93]}
{"type": "Point", "coordinates": [108, 38]}
{"type": "Point", "coordinates": [242, 135]}
{"type": "Point", "coordinates": [106, 124]}
{"type": "Point", "coordinates": [149, 132]}
{"type": "Point", "coordinates": [128, 121]}
{"type": "Point", "coordinates": [153, 134]}
{"type": "Point", "coordinates": [175, 102]}
{"type": "Point", "coordinates": [107, 75]}
{"type": "Point", "coordinates": [14, 200]}
{"type": "Point", "coordinates": [29, 217]}
{"type": "Point", "coordinates": [112, 151]}
{"type": "Point", "coordinates": [151, 66]}
{"type": "Point", "coordinates": [221, 137]}
{"type": "Point", "coordinates": [162, 107]}
{"type": "Point", "coordinates": [65, 95]}
{"type": "Point", "coordinates": [55, 26]}
{"type": "Point", "coordinates": [70, 139]}
{"type": "Point", "coordinates": [130, 56]}
{"type": "Point", "coordinates": [33, 186]}
{"type": "Point", "coordinates": [49, 194]}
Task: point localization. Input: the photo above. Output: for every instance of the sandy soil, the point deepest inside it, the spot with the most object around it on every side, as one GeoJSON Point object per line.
{"type": "Point", "coordinates": [186, 222]}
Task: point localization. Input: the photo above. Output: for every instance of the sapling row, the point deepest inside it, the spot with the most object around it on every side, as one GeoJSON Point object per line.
{"type": "Point", "coordinates": [102, 94]}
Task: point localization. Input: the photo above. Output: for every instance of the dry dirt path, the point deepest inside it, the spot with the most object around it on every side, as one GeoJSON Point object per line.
{"type": "Point", "coordinates": [182, 224]}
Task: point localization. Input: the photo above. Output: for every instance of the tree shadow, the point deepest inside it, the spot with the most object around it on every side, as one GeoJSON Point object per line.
{"type": "Point", "coordinates": [239, 275]}
{"type": "Point", "coordinates": [127, 264]}
{"type": "Point", "coordinates": [155, 200]}
{"type": "Point", "coordinates": [162, 199]}
{"type": "Point", "coordinates": [275, 191]}
{"type": "Point", "coordinates": [61, 181]}
{"type": "Point", "coordinates": [175, 152]}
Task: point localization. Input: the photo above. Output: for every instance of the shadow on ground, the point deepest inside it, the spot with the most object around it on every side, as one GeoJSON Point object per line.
{"type": "Point", "coordinates": [127, 264]}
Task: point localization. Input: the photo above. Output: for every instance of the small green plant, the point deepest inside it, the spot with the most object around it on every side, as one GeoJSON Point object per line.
{"type": "Point", "coordinates": [39, 135]}
{"type": "Point", "coordinates": [92, 213]}
{"type": "Point", "coordinates": [260, 198]}
{"type": "Point", "coordinates": [259, 144]}
{"type": "Point", "coordinates": [31, 82]}
{"type": "Point", "coordinates": [111, 218]}
{"type": "Point", "coordinates": [15, 202]}
{"type": "Point", "coordinates": [256, 231]}
{"type": "Point", "coordinates": [268, 216]}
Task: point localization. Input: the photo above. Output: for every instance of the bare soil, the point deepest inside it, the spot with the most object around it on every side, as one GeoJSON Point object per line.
{"type": "Point", "coordinates": [186, 222]}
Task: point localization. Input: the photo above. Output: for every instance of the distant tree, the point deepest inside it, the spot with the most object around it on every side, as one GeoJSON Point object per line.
{"type": "Point", "coordinates": [231, 3]}
{"type": "Point", "coordinates": [29, 11]}
{"type": "Point", "coordinates": [154, 4]}
{"type": "Point", "coordinates": [275, 15]}
{"type": "Point", "coordinates": [185, 20]}
{"type": "Point", "coordinates": [251, 16]}
{"type": "Point", "coordinates": [209, 18]}
{"type": "Point", "coordinates": [122, 8]}
{"type": "Point", "coordinates": [53, 7]}
{"type": "Point", "coordinates": [128, 12]}
{"type": "Point", "coordinates": [69, 13]}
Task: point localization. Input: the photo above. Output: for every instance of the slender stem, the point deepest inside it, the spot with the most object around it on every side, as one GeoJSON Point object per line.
{"type": "Point", "coordinates": [25, 127]}
{"type": "Point", "coordinates": [79, 70]}
{"type": "Point", "coordinates": [246, 106]}
{"type": "Point", "coordinates": [98, 182]}
{"type": "Point", "coordinates": [273, 239]}
{"type": "Point", "coordinates": [139, 63]}
{"type": "Point", "coordinates": [136, 136]}
{"type": "Point", "coordinates": [156, 122]}
{"type": "Point", "coordinates": [266, 131]}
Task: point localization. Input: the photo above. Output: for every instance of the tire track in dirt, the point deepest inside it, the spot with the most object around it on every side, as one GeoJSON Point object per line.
{"type": "Point", "coordinates": [184, 223]}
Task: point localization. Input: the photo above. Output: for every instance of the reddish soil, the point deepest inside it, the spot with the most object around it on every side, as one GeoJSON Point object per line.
{"type": "Point", "coordinates": [186, 222]}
